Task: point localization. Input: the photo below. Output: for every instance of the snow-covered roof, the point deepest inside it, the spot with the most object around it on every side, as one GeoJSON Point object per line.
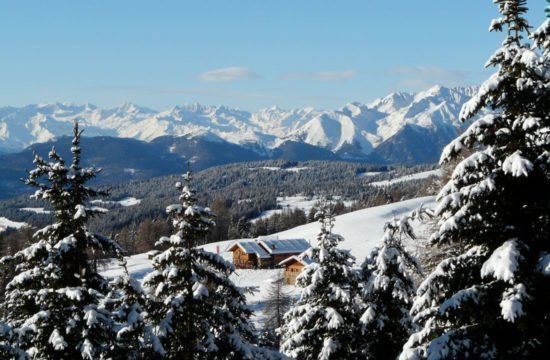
{"type": "Point", "coordinates": [250, 247]}
{"type": "Point", "coordinates": [302, 259]}
{"type": "Point", "coordinates": [284, 246]}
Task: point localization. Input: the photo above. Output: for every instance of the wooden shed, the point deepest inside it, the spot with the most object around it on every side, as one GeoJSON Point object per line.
{"type": "Point", "coordinates": [294, 266]}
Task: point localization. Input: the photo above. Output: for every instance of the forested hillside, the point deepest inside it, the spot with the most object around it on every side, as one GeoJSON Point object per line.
{"type": "Point", "coordinates": [238, 193]}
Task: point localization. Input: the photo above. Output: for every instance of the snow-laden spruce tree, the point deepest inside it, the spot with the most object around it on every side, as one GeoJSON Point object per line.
{"type": "Point", "coordinates": [492, 300]}
{"type": "Point", "coordinates": [321, 324]}
{"type": "Point", "coordinates": [198, 311]}
{"type": "Point", "coordinates": [54, 303]}
{"type": "Point", "coordinates": [134, 336]}
{"type": "Point", "coordinates": [387, 291]}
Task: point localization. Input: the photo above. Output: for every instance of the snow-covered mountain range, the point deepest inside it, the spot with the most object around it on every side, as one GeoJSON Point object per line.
{"type": "Point", "coordinates": [415, 123]}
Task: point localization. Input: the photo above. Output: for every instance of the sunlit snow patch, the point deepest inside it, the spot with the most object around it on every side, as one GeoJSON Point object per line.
{"type": "Point", "coordinates": [417, 176]}
{"type": "Point", "coordinates": [372, 173]}
{"type": "Point", "coordinates": [6, 224]}
{"type": "Point", "coordinates": [287, 203]}
{"type": "Point", "coordinates": [128, 201]}
{"type": "Point", "coordinates": [276, 168]}
{"type": "Point", "coordinates": [35, 210]}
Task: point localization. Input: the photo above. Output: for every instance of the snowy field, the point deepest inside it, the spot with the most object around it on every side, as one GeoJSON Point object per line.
{"type": "Point", "coordinates": [294, 202]}
{"type": "Point", "coordinates": [35, 210]}
{"type": "Point", "coordinates": [129, 201]}
{"type": "Point", "coordinates": [417, 176]}
{"type": "Point", "coordinates": [6, 224]}
{"type": "Point", "coordinates": [276, 168]}
{"type": "Point", "coordinates": [373, 173]}
{"type": "Point", "coordinates": [362, 230]}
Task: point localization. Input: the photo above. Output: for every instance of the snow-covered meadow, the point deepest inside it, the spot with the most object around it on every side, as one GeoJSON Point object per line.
{"type": "Point", "coordinates": [127, 201]}
{"type": "Point", "coordinates": [6, 224]}
{"type": "Point", "coordinates": [417, 176]}
{"type": "Point", "coordinates": [362, 231]}
{"type": "Point", "coordinates": [301, 202]}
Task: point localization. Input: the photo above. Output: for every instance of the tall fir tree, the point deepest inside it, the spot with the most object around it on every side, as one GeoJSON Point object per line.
{"type": "Point", "coordinates": [386, 292]}
{"type": "Point", "coordinates": [198, 311]}
{"type": "Point", "coordinates": [492, 300]}
{"type": "Point", "coordinates": [321, 324]}
{"type": "Point", "coordinates": [55, 302]}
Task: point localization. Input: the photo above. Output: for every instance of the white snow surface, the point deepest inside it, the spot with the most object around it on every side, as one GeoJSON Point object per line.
{"type": "Point", "coordinates": [6, 224]}
{"type": "Point", "coordinates": [295, 202]}
{"type": "Point", "coordinates": [128, 201]}
{"type": "Point", "coordinates": [373, 173]}
{"type": "Point", "coordinates": [362, 231]}
{"type": "Point", "coordinates": [35, 210]}
{"type": "Point", "coordinates": [417, 176]}
{"type": "Point", "coordinates": [276, 168]}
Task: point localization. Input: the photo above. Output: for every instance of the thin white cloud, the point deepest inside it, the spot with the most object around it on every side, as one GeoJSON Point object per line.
{"type": "Point", "coordinates": [423, 76]}
{"type": "Point", "coordinates": [321, 75]}
{"type": "Point", "coordinates": [228, 74]}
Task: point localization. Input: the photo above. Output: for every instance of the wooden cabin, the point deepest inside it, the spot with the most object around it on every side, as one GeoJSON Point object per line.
{"type": "Point", "coordinates": [294, 266]}
{"type": "Point", "coordinates": [250, 255]}
{"type": "Point", "coordinates": [265, 252]}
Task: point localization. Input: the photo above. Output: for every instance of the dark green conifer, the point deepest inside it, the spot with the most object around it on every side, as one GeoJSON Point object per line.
{"type": "Point", "coordinates": [55, 302]}
{"type": "Point", "coordinates": [197, 310]}
{"type": "Point", "coordinates": [492, 299]}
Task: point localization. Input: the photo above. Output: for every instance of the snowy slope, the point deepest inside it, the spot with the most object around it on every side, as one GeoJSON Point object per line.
{"type": "Point", "coordinates": [417, 176]}
{"type": "Point", "coordinates": [362, 230]}
{"type": "Point", "coordinates": [352, 131]}
{"type": "Point", "coordinates": [6, 224]}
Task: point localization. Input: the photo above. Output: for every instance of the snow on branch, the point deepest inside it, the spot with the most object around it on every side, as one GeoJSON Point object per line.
{"type": "Point", "coordinates": [517, 165]}
{"type": "Point", "coordinates": [503, 262]}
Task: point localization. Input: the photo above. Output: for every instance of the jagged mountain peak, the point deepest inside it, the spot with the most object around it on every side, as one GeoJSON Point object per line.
{"type": "Point", "coordinates": [393, 102]}
{"type": "Point", "coordinates": [131, 108]}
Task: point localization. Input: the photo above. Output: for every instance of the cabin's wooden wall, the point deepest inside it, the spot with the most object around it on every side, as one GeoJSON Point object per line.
{"type": "Point", "coordinates": [292, 271]}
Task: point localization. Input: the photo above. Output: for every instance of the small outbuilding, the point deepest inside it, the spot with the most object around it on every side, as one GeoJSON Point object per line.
{"type": "Point", "coordinates": [294, 266]}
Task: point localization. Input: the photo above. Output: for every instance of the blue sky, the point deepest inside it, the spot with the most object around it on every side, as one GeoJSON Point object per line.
{"type": "Point", "coordinates": [246, 54]}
